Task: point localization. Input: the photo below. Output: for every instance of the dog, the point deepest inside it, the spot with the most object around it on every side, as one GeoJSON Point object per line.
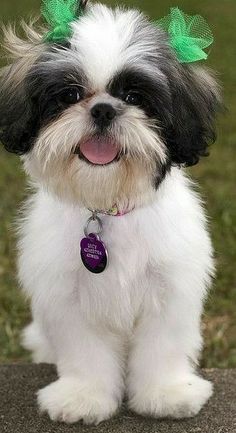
{"type": "Point", "coordinates": [114, 250]}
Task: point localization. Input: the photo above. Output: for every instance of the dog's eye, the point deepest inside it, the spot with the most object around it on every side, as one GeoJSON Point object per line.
{"type": "Point", "coordinates": [133, 98]}
{"type": "Point", "coordinates": [70, 96]}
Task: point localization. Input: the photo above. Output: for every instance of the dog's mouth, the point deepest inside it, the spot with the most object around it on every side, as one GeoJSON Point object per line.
{"type": "Point", "coordinates": [98, 151]}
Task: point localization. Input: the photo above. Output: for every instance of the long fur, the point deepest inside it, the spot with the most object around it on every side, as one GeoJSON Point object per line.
{"type": "Point", "coordinates": [134, 329]}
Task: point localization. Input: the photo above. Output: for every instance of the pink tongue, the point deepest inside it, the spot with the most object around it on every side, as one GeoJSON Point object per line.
{"type": "Point", "coordinates": [99, 151]}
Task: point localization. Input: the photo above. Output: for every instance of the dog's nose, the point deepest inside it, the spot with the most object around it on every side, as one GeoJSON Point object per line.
{"type": "Point", "coordinates": [103, 114]}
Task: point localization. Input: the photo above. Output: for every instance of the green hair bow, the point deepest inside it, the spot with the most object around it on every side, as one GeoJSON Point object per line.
{"type": "Point", "coordinates": [189, 35]}
{"type": "Point", "coordinates": [59, 14]}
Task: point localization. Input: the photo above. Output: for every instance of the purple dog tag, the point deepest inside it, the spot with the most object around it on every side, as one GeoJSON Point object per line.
{"type": "Point", "coordinates": [93, 253]}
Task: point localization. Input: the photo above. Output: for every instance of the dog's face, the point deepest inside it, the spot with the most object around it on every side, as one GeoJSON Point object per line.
{"type": "Point", "coordinates": [100, 119]}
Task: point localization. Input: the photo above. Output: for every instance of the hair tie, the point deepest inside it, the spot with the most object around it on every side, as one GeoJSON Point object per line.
{"type": "Point", "coordinates": [59, 14]}
{"type": "Point", "coordinates": [189, 35]}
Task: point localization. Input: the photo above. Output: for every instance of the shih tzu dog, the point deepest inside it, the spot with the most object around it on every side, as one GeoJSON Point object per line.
{"type": "Point", "coordinates": [114, 250]}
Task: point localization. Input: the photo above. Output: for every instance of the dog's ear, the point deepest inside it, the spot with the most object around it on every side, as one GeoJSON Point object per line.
{"type": "Point", "coordinates": [195, 102]}
{"type": "Point", "coordinates": [18, 117]}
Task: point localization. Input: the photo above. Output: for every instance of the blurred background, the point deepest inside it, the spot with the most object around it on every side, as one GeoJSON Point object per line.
{"type": "Point", "coordinates": [216, 176]}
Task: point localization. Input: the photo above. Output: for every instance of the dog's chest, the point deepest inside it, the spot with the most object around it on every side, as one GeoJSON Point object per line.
{"type": "Point", "coordinates": [116, 294]}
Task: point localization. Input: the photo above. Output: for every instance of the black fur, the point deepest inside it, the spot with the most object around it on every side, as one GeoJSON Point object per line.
{"type": "Point", "coordinates": [194, 108]}
{"type": "Point", "coordinates": [18, 118]}
{"type": "Point", "coordinates": [184, 109]}
{"type": "Point", "coordinates": [25, 109]}
{"type": "Point", "coordinates": [155, 98]}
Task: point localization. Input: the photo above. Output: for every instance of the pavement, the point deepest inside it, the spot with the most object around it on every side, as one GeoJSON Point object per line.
{"type": "Point", "coordinates": [19, 413]}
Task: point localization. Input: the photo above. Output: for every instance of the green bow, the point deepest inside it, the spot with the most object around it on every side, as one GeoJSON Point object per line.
{"type": "Point", "coordinates": [59, 14]}
{"type": "Point", "coordinates": [189, 35]}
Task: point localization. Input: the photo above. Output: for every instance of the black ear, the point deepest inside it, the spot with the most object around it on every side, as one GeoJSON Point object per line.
{"type": "Point", "coordinates": [195, 102]}
{"type": "Point", "coordinates": [18, 119]}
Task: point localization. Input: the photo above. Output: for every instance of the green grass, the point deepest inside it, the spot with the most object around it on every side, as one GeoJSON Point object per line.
{"type": "Point", "coordinates": [216, 175]}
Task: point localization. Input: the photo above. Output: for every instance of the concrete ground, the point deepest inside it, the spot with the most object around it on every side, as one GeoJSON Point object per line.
{"type": "Point", "coordinates": [19, 414]}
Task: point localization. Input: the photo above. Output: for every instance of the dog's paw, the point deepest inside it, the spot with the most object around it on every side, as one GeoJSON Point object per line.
{"type": "Point", "coordinates": [177, 400]}
{"type": "Point", "coordinates": [68, 400]}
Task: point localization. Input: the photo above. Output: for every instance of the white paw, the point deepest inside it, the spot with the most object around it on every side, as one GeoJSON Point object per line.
{"type": "Point", "coordinates": [69, 400]}
{"type": "Point", "coordinates": [177, 400]}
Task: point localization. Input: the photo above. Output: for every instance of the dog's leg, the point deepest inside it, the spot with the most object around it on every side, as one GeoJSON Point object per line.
{"type": "Point", "coordinates": [33, 339]}
{"type": "Point", "coordinates": [90, 385]}
{"type": "Point", "coordinates": [161, 379]}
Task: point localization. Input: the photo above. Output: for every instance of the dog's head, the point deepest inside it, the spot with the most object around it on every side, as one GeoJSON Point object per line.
{"type": "Point", "coordinates": [101, 118]}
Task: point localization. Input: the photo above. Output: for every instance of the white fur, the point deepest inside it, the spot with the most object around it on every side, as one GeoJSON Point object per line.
{"type": "Point", "coordinates": [107, 52]}
{"type": "Point", "coordinates": [134, 328]}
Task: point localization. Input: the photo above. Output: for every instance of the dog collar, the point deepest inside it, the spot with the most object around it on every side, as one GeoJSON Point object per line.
{"type": "Point", "coordinates": [93, 251]}
{"type": "Point", "coordinates": [113, 211]}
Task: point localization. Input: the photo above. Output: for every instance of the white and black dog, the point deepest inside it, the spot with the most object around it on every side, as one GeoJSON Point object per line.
{"type": "Point", "coordinates": [107, 120]}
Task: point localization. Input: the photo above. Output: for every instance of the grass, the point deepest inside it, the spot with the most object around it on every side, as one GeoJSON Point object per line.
{"type": "Point", "coordinates": [216, 175]}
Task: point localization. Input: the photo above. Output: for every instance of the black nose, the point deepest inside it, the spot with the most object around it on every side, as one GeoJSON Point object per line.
{"type": "Point", "coordinates": [103, 114]}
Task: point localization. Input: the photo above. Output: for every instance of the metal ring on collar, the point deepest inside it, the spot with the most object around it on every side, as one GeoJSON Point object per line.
{"type": "Point", "coordinates": [94, 218]}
